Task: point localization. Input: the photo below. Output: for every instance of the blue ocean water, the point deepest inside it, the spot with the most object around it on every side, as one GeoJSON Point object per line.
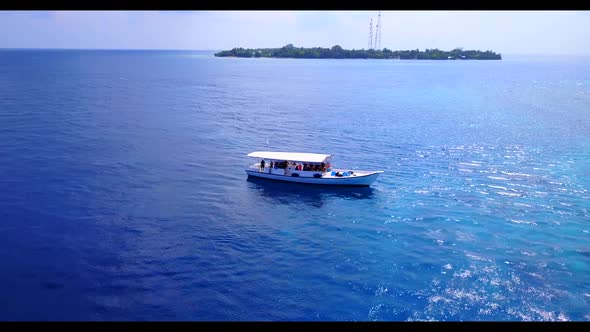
{"type": "Point", "coordinates": [124, 197]}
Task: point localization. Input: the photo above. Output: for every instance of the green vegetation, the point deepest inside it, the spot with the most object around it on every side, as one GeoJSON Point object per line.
{"type": "Point", "coordinates": [337, 52]}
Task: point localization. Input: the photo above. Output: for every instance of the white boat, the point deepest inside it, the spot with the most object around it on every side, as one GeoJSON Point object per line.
{"type": "Point", "coordinates": [312, 168]}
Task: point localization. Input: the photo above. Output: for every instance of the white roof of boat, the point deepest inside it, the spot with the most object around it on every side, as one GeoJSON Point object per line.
{"type": "Point", "coordinates": [290, 156]}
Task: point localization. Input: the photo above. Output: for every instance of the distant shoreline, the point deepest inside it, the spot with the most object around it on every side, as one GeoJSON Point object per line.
{"type": "Point", "coordinates": [337, 52]}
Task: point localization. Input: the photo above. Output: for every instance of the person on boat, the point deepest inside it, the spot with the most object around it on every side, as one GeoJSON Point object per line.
{"type": "Point", "coordinates": [262, 165]}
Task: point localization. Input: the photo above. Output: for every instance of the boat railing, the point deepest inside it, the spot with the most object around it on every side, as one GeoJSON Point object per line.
{"type": "Point", "coordinates": [267, 169]}
{"type": "Point", "coordinates": [256, 167]}
{"type": "Point", "coordinates": [289, 171]}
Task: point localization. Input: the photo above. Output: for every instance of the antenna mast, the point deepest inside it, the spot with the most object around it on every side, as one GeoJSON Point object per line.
{"type": "Point", "coordinates": [378, 33]}
{"type": "Point", "coordinates": [371, 35]}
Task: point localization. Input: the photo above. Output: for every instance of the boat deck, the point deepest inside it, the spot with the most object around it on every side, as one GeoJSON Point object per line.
{"type": "Point", "coordinates": [332, 174]}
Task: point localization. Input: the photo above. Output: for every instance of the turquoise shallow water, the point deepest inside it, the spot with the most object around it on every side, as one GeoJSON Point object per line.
{"type": "Point", "coordinates": [124, 195]}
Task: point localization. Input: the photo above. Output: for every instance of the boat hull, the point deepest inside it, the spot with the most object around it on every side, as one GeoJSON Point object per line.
{"type": "Point", "coordinates": [361, 181]}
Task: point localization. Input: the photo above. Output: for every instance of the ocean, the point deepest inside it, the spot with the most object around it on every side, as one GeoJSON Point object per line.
{"type": "Point", "coordinates": [124, 197]}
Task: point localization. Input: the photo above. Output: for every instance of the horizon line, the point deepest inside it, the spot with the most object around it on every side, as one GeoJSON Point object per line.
{"type": "Point", "coordinates": [209, 50]}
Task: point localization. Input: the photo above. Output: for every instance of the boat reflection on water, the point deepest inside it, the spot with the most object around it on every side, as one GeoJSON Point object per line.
{"type": "Point", "coordinates": [297, 193]}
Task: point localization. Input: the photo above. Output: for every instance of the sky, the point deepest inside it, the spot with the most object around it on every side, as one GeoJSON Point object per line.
{"type": "Point", "coordinates": [507, 32]}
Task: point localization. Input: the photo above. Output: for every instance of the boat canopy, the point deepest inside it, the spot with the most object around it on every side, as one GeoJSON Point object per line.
{"type": "Point", "coordinates": [290, 156]}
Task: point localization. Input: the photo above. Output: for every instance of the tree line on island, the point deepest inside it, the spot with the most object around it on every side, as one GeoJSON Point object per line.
{"type": "Point", "coordinates": [337, 52]}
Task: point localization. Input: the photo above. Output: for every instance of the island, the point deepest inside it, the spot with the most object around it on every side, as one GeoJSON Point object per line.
{"type": "Point", "coordinates": [337, 52]}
